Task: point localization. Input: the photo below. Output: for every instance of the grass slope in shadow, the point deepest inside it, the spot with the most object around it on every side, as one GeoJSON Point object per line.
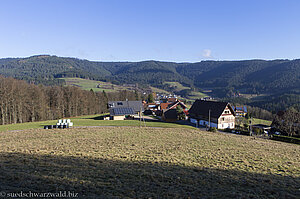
{"type": "Point", "coordinates": [96, 177]}
{"type": "Point", "coordinates": [136, 162]}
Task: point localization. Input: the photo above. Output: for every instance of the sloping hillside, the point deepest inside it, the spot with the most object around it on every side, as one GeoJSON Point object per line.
{"type": "Point", "coordinates": [44, 68]}
{"type": "Point", "coordinates": [249, 76]}
{"type": "Point", "coordinates": [224, 78]}
{"type": "Point", "coordinates": [126, 162]}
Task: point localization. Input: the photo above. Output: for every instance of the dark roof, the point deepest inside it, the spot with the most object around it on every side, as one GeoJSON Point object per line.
{"type": "Point", "coordinates": [121, 111]}
{"type": "Point", "coordinates": [170, 114]}
{"type": "Point", "coordinates": [240, 108]}
{"type": "Point", "coordinates": [202, 107]}
{"type": "Point", "coordinates": [135, 105]}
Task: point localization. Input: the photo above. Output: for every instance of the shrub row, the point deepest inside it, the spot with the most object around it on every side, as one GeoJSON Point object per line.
{"type": "Point", "coordinates": [286, 139]}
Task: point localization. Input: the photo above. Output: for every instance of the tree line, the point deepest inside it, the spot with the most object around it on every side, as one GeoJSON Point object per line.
{"type": "Point", "coordinates": [288, 122]}
{"type": "Point", "coordinates": [24, 102]}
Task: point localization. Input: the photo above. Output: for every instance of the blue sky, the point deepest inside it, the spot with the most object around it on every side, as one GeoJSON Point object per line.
{"type": "Point", "coordinates": [166, 30]}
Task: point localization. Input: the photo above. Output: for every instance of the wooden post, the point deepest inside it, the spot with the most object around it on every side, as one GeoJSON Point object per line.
{"type": "Point", "coordinates": [209, 118]}
{"type": "Point", "coordinates": [144, 121]}
{"type": "Point", "coordinates": [140, 117]}
{"type": "Point", "coordinates": [251, 126]}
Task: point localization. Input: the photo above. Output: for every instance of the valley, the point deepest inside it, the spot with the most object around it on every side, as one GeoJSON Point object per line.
{"type": "Point", "coordinates": [100, 86]}
{"type": "Point", "coordinates": [272, 85]}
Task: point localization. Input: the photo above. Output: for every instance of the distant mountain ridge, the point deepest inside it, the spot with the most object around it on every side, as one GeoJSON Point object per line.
{"type": "Point", "coordinates": [248, 76]}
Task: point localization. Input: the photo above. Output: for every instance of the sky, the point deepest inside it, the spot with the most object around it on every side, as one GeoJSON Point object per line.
{"type": "Point", "coordinates": [164, 30]}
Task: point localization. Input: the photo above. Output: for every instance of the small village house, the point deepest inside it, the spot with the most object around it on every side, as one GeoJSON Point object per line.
{"type": "Point", "coordinates": [261, 128]}
{"type": "Point", "coordinates": [169, 110]}
{"type": "Point", "coordinates": [170, 115]}
{"type": "Point", "coordinates": [151, 106]}
{"type": "Point", "coordinates": [240, 111]}
{"type": "Point", "coordinates": [120, 113]}
{"type": "Point", "coordinates": [213, 114]}
{"type": "Point", "coordinates": [177, 103]}
{"type": "Point", "coordinates": [119, 110]}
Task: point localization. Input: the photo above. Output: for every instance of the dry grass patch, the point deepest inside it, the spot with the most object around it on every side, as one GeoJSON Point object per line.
{"type": "Point", "coordinates": [148, 162]}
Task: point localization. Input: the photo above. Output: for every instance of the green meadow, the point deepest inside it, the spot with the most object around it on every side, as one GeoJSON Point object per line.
{"type": "Point", "coordinates": [91, 120]}
{"type": "Point", "coordinates": [97, 86]}
{"type": "Point", "coordinates": [261, 121]}
{"type": "Point", "coordinates": [176, 85]}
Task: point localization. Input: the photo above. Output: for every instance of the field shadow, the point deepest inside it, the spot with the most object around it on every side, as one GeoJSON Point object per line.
{"type": "Point", "coordinates": [187, 122]}
{"type": "Point", "coordinates": [101, 117]}
{"type": "Point", "coordinates": [102, 178]}
{"type": "Point", "coordinates": [149, 120]}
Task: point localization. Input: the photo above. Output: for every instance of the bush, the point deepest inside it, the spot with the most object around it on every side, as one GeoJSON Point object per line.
{"type": "Point", "coordinates": [258, 131]}
{"type": "Point", "coordinates": [227, 130]}
{"type": "Point", "coordinates": [212, 129]}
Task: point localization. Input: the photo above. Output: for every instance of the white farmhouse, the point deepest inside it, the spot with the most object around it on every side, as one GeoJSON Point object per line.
{"type": "Point", "coordinates": [212, 113]}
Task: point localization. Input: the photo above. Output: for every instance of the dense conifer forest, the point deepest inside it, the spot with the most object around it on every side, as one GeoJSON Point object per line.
{"type": "Point", "coordinates": [278, 80]}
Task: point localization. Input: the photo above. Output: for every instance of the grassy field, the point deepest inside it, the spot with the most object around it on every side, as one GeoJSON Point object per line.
{"type": "Point", "coordinates": [260, 121]}
{"type": "Point", "coordinates": [90, 120]}
{"type": "Point", "coordinates": [158, 90]}
{"type": "Point", "coordinates": [196, 95]}
{"type": "Point", "coordinates": [176, 85]}
{"type": "Point", "coordinates": [192, 96]}
{"type": "Point", "coordinates": [132, 162]}
{"type": "Point", "coordinates": [87, 84]}
{"type": "Point", "coordinates": [253, 96]}
{"type": "Point", "coordinates": [109, 87]}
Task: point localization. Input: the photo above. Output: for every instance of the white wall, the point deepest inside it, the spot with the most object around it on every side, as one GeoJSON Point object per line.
{"type": "Point", "coordinates": [121, 117]}
{"type": "Point", "coordinates": [226, 125]}
{"type": "Point", "coordinates": [212, 124]}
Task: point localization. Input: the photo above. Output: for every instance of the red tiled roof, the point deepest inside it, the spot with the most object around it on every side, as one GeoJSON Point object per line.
{"type": "Point", "coordinates": [164, 105]}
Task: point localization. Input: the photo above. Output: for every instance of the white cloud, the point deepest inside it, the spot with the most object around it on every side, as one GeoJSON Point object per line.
{"type": "Point", "coordinates": [206, 53]}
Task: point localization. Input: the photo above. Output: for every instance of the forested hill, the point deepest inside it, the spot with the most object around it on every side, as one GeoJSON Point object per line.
{"type": "Point", "coordinates": [249, 76]}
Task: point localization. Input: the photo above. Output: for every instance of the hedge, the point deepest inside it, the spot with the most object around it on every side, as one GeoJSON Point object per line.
{"type": "Point", "coordinates": [282, 138]}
